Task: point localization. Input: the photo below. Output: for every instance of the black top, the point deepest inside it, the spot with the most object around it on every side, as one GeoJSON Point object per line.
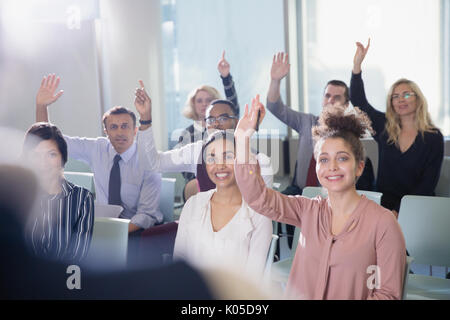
{"type": "Point", "coordinates": [413, 172]}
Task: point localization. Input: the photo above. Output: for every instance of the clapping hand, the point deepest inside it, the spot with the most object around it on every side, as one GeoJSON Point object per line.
{"type": "Point", "coordinates": [46, 93]}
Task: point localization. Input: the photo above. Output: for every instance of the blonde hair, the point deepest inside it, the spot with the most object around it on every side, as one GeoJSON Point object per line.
{"type": "Point", "coordinates": [422, 117]}
{"type": "Point", "coordinates": [189, 109]}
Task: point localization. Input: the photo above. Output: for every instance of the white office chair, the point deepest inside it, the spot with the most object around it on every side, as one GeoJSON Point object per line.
{"type": "Point", "coordinates": [107, 210]}
{"type": "Point", "coordinates": [312, 192]}
{"type": "Point", "coordinates": [167, 198]}
{"type": "Point", "coordinates": [425, 222]}
{"type": "Point", "coordinates": [409, 261]}
{"type": "Point", "coordinates": [270, 256]}
{"type": "Point", "coordinates": [109, 245]}
{"type": "Point", "coordinates": [443, 186]}
{"type": "Point", "coordinates": [281, 269]}
{"type": "Point", "coordinates": [82, 179]}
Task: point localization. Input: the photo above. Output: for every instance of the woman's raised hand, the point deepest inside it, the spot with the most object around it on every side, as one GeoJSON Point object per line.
{"type": "Point", "coordinates": [249, 121]}
{"type": "Point", "coordinates": [360, 54]}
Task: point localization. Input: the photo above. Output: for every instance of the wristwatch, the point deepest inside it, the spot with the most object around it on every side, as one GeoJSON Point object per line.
{"type": "Point", "coordinates": [145, 122]}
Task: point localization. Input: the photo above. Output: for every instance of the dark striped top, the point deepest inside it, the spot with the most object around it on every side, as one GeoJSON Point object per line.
{"type": "Point", "coordinates": [62, 225]}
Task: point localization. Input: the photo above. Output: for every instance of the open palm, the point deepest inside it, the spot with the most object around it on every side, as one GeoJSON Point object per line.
{"type": "Point", "coordinates": [280, 66]}
{"type": "Point", "coordinates": [46, 93]}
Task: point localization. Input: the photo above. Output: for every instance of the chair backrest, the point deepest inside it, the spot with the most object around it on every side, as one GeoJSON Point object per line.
{"type": "Point", "coordinates": [295, 241]}
{"type": "Point", "coordinates": [270, 256]}
{"type": "Point", "coordinates": [443, 186]}
{"type": "Point", "coordinates": [409, 260]}
{"type": "Point", "coordinates": [312, 192]}
{"type": "Point", "coordinates": [109, 245]}
{"type": "Point", "coordinates": [107, 210]}
{"type": "Point", "coordinates": [82, 179]}
{"type": "Point", "coordinates": [167, 198]}
{"type": "Point", "coordinates": [425, 224]}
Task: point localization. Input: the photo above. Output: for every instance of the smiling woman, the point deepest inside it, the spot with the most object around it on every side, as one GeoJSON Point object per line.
{"type": "Point", "coordinates": [344, 236]}
{"type": "Point", "coordinates": [217, 228]}
{"type": "Point", "coordinates": [410, 146]}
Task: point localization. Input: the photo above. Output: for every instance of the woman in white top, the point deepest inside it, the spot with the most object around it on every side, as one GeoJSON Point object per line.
{"type": "Point", "coordinates": [217, 228]}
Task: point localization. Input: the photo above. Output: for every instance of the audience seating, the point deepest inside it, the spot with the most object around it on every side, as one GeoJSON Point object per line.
{"type": "Point", "coordinates": [167, 198]}
{"type": "Point", "coordinates": [157, 244]}
{"type": "Point", "coordinates": [107, 210]}
{"type": "Point", "coordinates": [109, 245]}
{"type": "Point", "coordinates": [82, 179]}
{"type": "Point", "coordinates": [425, 222]}
{"type": "Point", "coordinates": [312, 192]}
{"type": "Point", "coordinates": [443, 186]}
{"type": "Point", "coordinates": [281, 269]}
{"type": "Point", "coordinates": [269, 260]}
{"type": "Point", "coordinates": [409, 261]}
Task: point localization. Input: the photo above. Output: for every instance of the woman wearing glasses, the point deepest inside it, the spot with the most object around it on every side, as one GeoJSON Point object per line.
{"type": "Point", "coordinates": [217, 229]}
{"type": "Point", "coordinates": [410, 147]}
{"type": "Point", "coordinates": [197, 102]}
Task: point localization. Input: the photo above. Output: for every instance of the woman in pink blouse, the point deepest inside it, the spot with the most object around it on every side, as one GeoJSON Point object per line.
{"type": "Point", "coordinates": [349, 247]}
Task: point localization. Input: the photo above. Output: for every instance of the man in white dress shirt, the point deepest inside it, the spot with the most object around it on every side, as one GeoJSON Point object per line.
{"type": "Point", "coordinates": [219, 116]}
{"type": "Point", "coordinates": [138, 189]}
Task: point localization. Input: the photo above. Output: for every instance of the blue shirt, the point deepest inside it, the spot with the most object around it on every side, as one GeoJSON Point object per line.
{"type": "Point", "coordinates": [140, 189]}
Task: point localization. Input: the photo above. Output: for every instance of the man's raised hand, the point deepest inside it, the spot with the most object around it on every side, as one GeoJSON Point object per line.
{"type": "Point", "coordinates": [280, 66]}
{"type": "Point", "coordinates": [143, 103]}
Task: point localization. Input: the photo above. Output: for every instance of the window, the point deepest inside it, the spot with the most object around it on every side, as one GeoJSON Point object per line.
{"type": "Point", "coordinates": [408, 40]}
{"type": "Point", "coordinates": [195, 32]}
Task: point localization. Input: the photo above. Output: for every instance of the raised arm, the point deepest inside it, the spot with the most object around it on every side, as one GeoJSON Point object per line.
{"type": "Point", "coordinates": [294, 119]}
{"type": "Point", "coordinates": [263, 200]}
{"type": "Point", "coordinates": [143, 105]}
{"type": "Point", "coordinates": [228, 84]}
{"type": "Point", "coordinates": [279, 70]}
{"type": "Point", "coordinates": [183, 159]}
{"type": "Point", "coordinates": [358, 94]}
{"type": "Point", "coordinates": [46, 96]}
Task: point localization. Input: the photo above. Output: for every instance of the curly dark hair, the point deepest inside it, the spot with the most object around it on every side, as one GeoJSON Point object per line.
{"type": "Point", "coordinates": [340, 122]}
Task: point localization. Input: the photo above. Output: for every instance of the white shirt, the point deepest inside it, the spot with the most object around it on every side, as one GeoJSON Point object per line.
{"type": "Point", "coordinates": [184, 159]}
{"type": "Point", "coordinates": [242, 244]}
{"type": "Point", "coordinates": [140, 189]}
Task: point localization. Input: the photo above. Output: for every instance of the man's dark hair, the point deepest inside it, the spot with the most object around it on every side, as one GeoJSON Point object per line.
{"type": "Point", "coordinates": [45, 131]}
{"type": "Point", "coordinates": [339, 83]}
{"type": "Point", "coordinates": [119, 110]}
{"type": "Point", "coordinates": [227, 102]}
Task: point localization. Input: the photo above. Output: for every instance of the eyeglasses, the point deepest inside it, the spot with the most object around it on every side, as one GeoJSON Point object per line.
{"type": "Point", "coordinates": [220, 119]}
{"type": "Point", "coordinates": [405, 95]}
